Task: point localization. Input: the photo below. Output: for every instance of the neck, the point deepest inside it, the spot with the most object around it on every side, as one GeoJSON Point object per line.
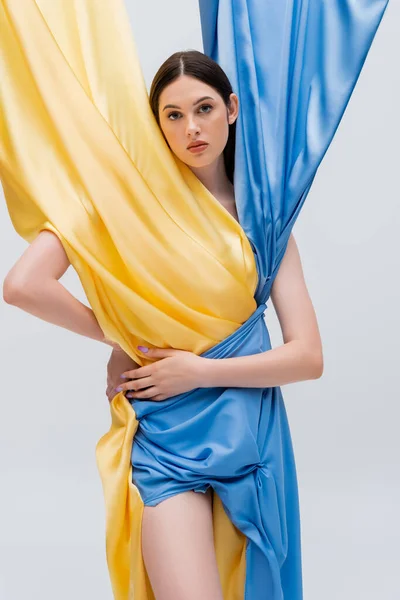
{"type": "Point", "coordinates": [214, 177]}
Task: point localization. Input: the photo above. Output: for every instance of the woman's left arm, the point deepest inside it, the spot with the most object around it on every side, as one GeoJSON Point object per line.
{"type": "Point", "coordinates": [299, 358]}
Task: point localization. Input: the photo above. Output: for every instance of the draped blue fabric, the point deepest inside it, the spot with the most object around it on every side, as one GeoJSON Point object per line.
{"type": "Point", "coordinates": [238, 441]}
{"type": "Point", "coordinates": [294, 65]}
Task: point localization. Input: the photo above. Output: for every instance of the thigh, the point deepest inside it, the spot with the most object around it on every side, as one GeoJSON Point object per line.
{"type": "Point", "coordinates": [178, 548]}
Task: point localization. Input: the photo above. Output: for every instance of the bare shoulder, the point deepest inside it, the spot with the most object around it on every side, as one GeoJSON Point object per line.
{"type": "Point", "coordinates": [291, 299]}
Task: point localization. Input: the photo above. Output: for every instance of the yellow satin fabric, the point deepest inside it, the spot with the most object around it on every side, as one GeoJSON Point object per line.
{"type": "Point", "coordinates": [161, 261]}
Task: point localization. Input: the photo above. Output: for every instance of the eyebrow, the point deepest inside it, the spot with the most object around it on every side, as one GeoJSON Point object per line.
{"type": "Point", "coordinates": [194, 103]}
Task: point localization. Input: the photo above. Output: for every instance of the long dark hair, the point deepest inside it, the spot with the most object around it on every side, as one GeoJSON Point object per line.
{"type": "Point", "coordinates": [196, 64]}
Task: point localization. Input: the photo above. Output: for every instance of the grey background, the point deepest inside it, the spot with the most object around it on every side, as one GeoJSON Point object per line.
{"type": "Point", "coordinates": [344, 425]}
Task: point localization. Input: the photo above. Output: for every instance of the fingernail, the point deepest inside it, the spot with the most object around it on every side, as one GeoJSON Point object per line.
{"type": "Point", "coordinates": [118, 389]}
{"type": "Point", "coordinates": [143, 348]}
{"type": "Point", "coordinates": [124, 376]}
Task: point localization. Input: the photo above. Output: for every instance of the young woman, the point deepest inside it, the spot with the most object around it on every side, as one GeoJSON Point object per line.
{"type": "Point", "coordinates": [195, 106]}
{"type": "Point", "coordinates": [191, 267]}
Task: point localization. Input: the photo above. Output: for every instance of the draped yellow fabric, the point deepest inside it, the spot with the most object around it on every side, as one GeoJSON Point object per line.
{"type": "Point", "coordinates": [161, 261]}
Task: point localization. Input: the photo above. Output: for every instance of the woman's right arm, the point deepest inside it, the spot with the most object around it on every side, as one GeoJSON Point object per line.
{"type": "Point", "coordinates": [32, 285]}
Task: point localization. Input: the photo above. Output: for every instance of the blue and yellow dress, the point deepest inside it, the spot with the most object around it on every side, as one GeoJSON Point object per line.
{"type": "Point", "coordinates": [163, 263]}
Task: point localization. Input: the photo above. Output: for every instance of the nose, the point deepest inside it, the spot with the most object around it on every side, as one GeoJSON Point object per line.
{"type": "Point", "coordinates": [192, 127]}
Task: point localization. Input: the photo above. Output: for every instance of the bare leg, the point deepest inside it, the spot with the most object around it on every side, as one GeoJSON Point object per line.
{"type": "Point", "coordinates": [178, 548]}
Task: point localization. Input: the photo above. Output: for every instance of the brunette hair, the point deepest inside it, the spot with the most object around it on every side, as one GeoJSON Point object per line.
{"type": "Point", "coordinates": [196, 64]}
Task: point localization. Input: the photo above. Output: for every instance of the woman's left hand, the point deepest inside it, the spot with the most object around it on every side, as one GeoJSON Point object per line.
{"type": "Point", "coordinates": [178, 371]}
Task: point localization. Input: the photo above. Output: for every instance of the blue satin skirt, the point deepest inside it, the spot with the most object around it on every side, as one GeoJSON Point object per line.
{"type": "Point", "coordinates": [236, 440]}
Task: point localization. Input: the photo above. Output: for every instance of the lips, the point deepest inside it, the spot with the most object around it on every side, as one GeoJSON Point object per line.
{"type": "Point", "coordinates": [197, 147]}
{"type": "Point", "coordinates": [197, 144]}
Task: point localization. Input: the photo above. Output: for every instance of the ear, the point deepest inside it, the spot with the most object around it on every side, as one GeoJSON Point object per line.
{"type": "Point", "coordinates": [233, 108]}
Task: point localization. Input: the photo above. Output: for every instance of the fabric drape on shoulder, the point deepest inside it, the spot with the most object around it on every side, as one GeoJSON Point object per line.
{"type": "Point", "coordinates": [81, 154]}
{"type": "Point", "coordinates": [161, 261]}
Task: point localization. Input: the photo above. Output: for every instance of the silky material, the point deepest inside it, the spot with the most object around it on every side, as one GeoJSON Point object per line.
{"type": "Point", "coordinates": [163, 263]}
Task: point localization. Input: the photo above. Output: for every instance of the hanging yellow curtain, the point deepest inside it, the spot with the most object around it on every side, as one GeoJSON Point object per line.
{"type": "Point", "coordinates": [161, 261]}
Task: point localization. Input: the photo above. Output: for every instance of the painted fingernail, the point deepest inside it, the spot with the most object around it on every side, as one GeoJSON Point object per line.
{"type": "Point", "coordinates": [118, 389]}
{"type": "Point", "coordinates": [143, 348]}
{"type": "Point", "coordinates": [124, 376]}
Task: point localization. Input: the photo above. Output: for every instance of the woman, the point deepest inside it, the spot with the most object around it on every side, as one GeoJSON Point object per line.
{"type": "Point", "coordinates": [221, 425]}
{"type": "Point", "coordinates": [188, 109]}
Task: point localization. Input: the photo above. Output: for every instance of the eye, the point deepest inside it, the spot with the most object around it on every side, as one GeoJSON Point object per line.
{"type": "Point", "coordinates": [207, 106]}
{"type": "Point", "coordinates": [173, 114]}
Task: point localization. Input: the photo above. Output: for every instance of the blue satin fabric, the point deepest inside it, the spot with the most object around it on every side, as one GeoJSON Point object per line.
{"type": "Point", "coordinates": [238, 441]}
{"type": "Point", "coordinates": [294, 65]}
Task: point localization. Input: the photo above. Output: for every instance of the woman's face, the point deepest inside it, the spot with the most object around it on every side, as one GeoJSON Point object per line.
{"type": "Point", "coordinates": [192, 111]}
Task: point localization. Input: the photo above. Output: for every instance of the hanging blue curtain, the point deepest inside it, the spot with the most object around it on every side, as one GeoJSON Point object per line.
{"type": "Point", "coordinates": [294, 65]}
